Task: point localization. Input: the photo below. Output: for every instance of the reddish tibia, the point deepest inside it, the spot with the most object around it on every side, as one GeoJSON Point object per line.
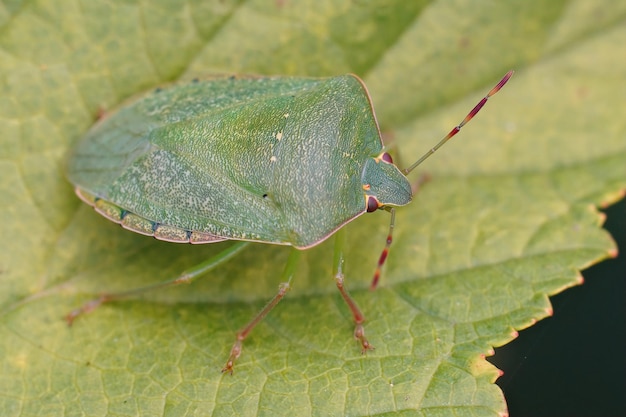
{"type": "Point", "coordinates": [235, 351]}
{"type": "Point", "coordinates": [383, 255]}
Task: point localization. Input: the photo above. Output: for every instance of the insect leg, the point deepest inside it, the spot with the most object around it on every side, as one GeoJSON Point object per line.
{"type": "Point", "coordinates": [282, 290]}
{"type": "Point", "coordinates": [359, 318]}
{"type": "Point", "coordinates": [186, 277]}
{"type": "Point", "coordinates": [415, 186]}
{"type": "Point", "coordinates": [385, 252]}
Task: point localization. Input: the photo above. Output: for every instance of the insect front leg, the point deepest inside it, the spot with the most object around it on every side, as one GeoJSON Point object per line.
{"type": "Point", "coordinates": [415, 186]}
{"type": "Point", "coordinates": [359, 318]}
{"type": "Point", "coordinates": [235, 351]}
{"type": "Point", "coordinates": [186, 277]}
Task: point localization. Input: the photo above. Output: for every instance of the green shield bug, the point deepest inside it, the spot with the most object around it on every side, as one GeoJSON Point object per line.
{"type": "Point", "coordinates": [280, 160]}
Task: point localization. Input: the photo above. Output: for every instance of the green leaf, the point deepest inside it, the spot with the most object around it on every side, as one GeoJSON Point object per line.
{"type": "Point", "coordinates": [507, 219]}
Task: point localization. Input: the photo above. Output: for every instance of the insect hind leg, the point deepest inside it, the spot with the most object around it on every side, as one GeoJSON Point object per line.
{"type": "Point", "coordinates": [186, 277]}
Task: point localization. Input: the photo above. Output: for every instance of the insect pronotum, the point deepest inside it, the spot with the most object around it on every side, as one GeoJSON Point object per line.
{"type": "Point", "coordinates": [281, 160]}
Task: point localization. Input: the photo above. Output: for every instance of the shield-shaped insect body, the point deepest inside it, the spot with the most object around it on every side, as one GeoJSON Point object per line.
{"type": "Point", "coordinates": [274, 160]}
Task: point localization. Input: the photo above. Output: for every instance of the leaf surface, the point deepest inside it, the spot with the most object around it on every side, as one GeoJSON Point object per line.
{"type": "Point", "coordinates": [508, 218]}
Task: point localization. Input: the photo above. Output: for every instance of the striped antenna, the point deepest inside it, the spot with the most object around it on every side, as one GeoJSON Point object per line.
{"type": "Point", "coordinates": [456, 129]}
{"type": "Point", "coordinates": [470, 116]}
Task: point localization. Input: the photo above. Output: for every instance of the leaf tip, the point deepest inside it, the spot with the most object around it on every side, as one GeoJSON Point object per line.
{"type": "Point", "coordinates": [613, 198]}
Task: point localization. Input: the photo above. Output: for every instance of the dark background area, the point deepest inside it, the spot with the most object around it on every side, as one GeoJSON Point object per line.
{"type": "Point", "coordinates": [574, 363]}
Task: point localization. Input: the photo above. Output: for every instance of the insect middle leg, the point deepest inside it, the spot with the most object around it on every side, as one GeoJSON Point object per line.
{"type": "Point", "coordinates": [359, 318]}
{"type": "Point", "coordinates": [186, 277]}
{"type": "Point", "coordinates": [235, 351]}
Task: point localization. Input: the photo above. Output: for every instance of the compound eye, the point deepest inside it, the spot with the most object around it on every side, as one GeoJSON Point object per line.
{"type": "Point", "coordinates": [386, 157]}
{"type": "Point", "coordinates": [372, 203]}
